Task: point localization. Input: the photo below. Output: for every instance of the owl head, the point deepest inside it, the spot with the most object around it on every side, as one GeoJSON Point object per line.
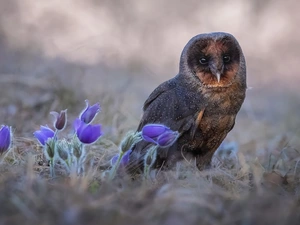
{"type": "Point", "coordinates": [214, 60]}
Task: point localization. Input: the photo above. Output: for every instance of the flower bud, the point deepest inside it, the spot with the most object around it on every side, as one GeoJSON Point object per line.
{"type": "Point", "coordinates": [60, 119]}
{"type": "Point", "coordinates": [62, 150]}
{"type": "Point", "coordinates": [77, 147]}
{"type": "Point", "coordinates": [50, 148]}
{"type": "Point", "coordinates": [130, 139]}
{"type": "Point", "coordinates": [114, 159]}
{"type": "Point", "coordinates": [150, 157]}
{"type": "Point", "coordinates": [124, 161]}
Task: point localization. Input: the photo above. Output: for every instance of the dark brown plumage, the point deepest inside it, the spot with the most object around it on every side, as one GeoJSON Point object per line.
{"type": "Point", "coordinates": [201, 101]}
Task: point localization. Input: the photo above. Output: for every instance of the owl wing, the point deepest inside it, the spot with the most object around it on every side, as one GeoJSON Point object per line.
{"type": "Point", "coordinates": [174, 106]}
{"type": "Point", "coordinates": [164, 87]}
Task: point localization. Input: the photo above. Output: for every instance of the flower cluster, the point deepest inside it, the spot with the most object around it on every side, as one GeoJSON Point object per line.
{"type": "Point", "coordinates": [71, 153]}
{"type": "Point", "coordinates": [160, 135]}
{"type": "Point", "coordinates": [157, 134]}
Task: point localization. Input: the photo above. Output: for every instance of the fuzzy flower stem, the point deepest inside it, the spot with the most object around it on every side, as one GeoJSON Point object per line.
{"type": "Point", "coordinates": [52, 172]}
{"type": "Point", "coordinates": [79, 153]}
{"type": "Point", "coordinates": [149, 160]}
{"type": "Point", "coordinates": [55, 134]}
{"type": "Point", "coordinates": [80, 161]}
{"type": "Point", "coordinates": [146, 172]}
{"type": "Point", "coordinates": [115, 167]}
{"type": "Point", "coordinates": [78, 165]}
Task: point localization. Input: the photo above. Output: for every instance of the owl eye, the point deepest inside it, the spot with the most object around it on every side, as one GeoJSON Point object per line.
{"type": "Point", "coordinates": [226, 58]}
{"type": "Point", "coordinates": [203, 60]}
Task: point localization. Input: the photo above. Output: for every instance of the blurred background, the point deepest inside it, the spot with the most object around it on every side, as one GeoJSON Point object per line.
{"type": "Point", "coordinates": [55, 54]}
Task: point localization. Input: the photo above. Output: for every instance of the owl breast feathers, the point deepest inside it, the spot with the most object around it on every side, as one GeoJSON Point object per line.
{"type": "Point", "coordinates": [201, 102]}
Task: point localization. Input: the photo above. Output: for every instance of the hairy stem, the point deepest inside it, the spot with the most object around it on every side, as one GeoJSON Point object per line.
{"type": "Point", "coordinates": [115, 167]}
{"type": "Point", "coordinates": [52, 172]}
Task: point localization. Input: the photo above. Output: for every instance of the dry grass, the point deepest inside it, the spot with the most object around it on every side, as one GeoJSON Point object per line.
{"type": "Point", "coordinates": [248, 193]}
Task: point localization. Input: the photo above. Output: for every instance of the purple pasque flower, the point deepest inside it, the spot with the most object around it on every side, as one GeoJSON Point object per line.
{"type": "Point", "coordinates": [87, 133]}
{"type": "Point", "coordinates": [167, 139]}
{"type": "Point", "coordinates": [5, 138]}
{"type": "Point", "coordinates": [90, 112]}
{"type": "Point", "coordinates": [159, 134]}
{"type": "Point", "coordinates": [124, 161]}
{"type": "Point", "coordinates": [151, 132]}
{"type": "Point", "coordinates": [60, 119]}
{"type": "Point", "coordinates": [44, 134]}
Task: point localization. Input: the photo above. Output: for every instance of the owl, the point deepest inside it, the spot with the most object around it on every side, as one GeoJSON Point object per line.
{"type": "Point", "coordinates": [201, 102]}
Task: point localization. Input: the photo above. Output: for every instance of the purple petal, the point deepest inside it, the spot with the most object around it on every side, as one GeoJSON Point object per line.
{"type": "Point", "coordinates": [151, 132]}
{"type": "Point", "coordinates": [152, 140]}
{"type": "Point", "coordinates": [40, 136]}
{"type": "Point", "coordinates": [48, 132]}
{"type": "Point", "coordinates": [167, 139]}
{"type": "Point", "coordinates": [44, 134]}
{"type": "Point", "coordinates": [77, 123]}
{"type": "Point", "coordinates": [114, 160]}
{"type": "Point", "coordinates": [154, 130]}
{"type": "Point", "coordinates": [125, 158]}
{"type": "Point", "coordinates": [89, 113]}
{"type": "Point", "coordinates": [88, 134]}
{"type": "Point", "coordinates": [5, 137]}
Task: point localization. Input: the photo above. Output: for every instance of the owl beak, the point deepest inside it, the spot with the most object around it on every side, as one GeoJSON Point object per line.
{"type": "Point", "coordinates": [218, 76]}
{"type": "Point", "coordinates": [216, 71]}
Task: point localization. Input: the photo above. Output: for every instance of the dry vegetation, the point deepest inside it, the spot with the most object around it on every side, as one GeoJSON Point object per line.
{"type": "Point", "coordinates": [256, 187]}
{"type": "Point", "coordinates": [90, 52]}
